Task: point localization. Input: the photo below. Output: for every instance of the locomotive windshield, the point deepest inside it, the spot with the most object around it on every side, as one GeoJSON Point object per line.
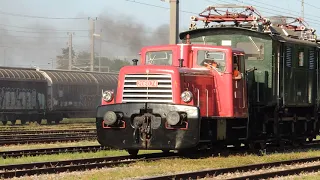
{"type": "Point", "coordinates": [159, 57]}
{"type": "Point", "coordinates": [216, 58]}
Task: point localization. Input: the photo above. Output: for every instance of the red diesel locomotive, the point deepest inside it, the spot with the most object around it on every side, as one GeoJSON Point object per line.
{"type": "Point", "coordinates": [224, 85]}
{"type": "Point", "coordinates": [160, 103]}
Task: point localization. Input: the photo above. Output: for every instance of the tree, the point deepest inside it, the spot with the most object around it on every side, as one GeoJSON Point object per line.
{"type": "Point", "coordinates": [82, 61]}
{"type": "Point", "coordinates": [63, 60]}
{"type": "Point", "coordinates": [113, 64]}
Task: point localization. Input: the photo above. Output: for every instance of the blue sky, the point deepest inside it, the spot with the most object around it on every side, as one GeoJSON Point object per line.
{"type": "Point", "coordinates": [148, 15]}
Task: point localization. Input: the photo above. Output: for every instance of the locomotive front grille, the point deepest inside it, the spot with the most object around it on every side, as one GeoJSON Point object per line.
{"type": "Point", "coordinates": [147, 88]}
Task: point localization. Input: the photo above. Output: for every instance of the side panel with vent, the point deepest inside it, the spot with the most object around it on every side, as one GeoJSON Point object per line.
{"type": "Point", "coordinates": [288, 74]}
{"type": "Point", "coordinates": [299, 75]}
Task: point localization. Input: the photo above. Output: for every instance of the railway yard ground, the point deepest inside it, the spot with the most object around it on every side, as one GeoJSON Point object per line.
{"type": "Point", "coordinates": [96, 167]}
{"type": "Point", "coordinates": [145, 169]}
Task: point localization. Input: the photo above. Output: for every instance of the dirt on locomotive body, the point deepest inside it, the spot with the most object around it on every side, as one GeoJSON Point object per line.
{"type": "Point", "coordinates": [33, 94]}
{"type": "Point", "coordinates": [249, 80]}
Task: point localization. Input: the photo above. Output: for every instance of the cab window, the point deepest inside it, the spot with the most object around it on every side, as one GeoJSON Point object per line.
{"type": "Point", "coordinates": [238, 67]}
{"type": "Point", "coordinates": [212, 59]}
{"type": "Point", "coordinates": [159, 57]}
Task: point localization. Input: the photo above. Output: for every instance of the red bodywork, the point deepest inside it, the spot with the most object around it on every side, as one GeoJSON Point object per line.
{"type": "Point", "coordinates": [217, 94]}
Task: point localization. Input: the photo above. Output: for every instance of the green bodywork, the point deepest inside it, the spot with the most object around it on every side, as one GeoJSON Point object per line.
{"type": "Point", "coordinates": [293, 85]}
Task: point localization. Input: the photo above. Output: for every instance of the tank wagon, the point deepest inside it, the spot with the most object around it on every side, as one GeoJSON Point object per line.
{"type": "Point", "coordinates": [242, 78]}
{"type": "Point", "coordinates": [34, 94]}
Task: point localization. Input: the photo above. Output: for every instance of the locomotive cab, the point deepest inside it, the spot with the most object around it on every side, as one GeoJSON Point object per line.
{"type": "Point", "coordinates": [221, 70]}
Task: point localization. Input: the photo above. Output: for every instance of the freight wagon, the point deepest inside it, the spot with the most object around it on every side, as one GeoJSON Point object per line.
{"type": "Point", "coordinates": [34, 94]}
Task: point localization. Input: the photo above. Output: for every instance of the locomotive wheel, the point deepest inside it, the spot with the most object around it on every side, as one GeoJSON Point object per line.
{"type": "Point", "coordinates": [263, 145]}
{"type": "Point", "coordinates": [4, 122]}
{"type": "Point", "coordinates": [251, 146]}
{"type": "Point", "coordinates": [39, 121]}
{"type": "Point", "coordinates": [13, 122]}
{"type": "Point", "coordinates": [295, 143]}
{"type": "Point", "coordinates": [257, 145]}
{"type": "Point", "coordinates": [23, 122]}
{"type": "Point", "coordinates": [310, 139]}
{"type": "Point", "coordinates": [56, 121]}
{"type": "Point", "coordinates": [237, 145]}
{"type": "Point", "coordinates": [133, 152]}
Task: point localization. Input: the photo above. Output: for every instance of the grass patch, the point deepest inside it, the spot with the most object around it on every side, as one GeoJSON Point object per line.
{"type": "Point", "coordinates": [170, 166]}
{"type": "Point", "coordinates": [66, 156]}
{"type": "Point", "coordinates": [48, 145]}
{"type": "Point", "coordinates": [311, 176]}
{"type": "Point", "coordinates": [78, 120]}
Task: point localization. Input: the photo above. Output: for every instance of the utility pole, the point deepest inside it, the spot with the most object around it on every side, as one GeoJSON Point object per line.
{"type": "Point", "coordinates": [70, 51]}
{"type": "Point", "coordinates": [100, 51]}
{"type": "Point", "coordinates": [302, 9]}
{"type": "Point", "coordinates": [92, 27]}
{"type": "Point", "coordinates": [174, 21]}
{"type": "Point", "coordinates": [4, 56]}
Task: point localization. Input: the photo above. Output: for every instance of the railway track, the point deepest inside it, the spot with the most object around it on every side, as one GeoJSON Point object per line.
{"type": "Point", "coordinates": [55, 131]}
{"type": "Point", "coordinates": [247, 168]}
{"type": "Point", "coordinates": [9, 171]}
{"type": "Point", "coordinates": [17, 170]}
{"type": "Point", "coordinates": [26, 136]}
{"type": "Point", "coordinates": [47, 151]}
{"type": "Point", "coordinates": [48, 139]}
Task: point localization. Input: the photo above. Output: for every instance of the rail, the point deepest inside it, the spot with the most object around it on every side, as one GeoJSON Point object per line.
{"type": "Point", "coordinates": [18, 170]}
{"type": "Point", "coordinates": [247, 168]}
{"type": "Point", "coordinates": [47, 151]}
{"type": "Point", "coordinates": [41, 139]}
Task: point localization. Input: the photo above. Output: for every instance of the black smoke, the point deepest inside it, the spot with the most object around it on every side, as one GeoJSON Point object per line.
{"type": "Point", "coordinates": [40, 41]}
{"type": "Point", "coordinates": [126, 36]}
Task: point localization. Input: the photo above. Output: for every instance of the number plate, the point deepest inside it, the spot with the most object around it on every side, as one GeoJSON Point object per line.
{"type": "Point", "coordinates": [147, 83]}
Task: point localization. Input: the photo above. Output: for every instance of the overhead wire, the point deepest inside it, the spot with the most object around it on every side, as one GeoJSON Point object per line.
{"type": "Point", "coordinates": [162, 7]}
{"type": "Point", "coordinates": [41, 17]}
{"type": "Point", "coordinates": [44, 36]}
{"type": "Point", "coordinates": [35, 31]}
{"type": "Point", "coordinates": [45, 30]}
{"type": "Point", "coordinates": [312, 5]}
{"type": "Point", "coordinates": [287, 11]}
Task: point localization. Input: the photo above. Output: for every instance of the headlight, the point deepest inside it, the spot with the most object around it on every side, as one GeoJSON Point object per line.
{"type": "Point", "coordinates": [186, 96]}
{"type": "Point", "coordinates": [110, 117]}
{"type": "Point", "coordinates": [173, 118]}
{"type": "Point", "coordinates": [107, 96]}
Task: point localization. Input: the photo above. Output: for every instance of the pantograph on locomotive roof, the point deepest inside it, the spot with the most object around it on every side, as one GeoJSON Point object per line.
{"type": "Point", "coordinates": [230, 15]}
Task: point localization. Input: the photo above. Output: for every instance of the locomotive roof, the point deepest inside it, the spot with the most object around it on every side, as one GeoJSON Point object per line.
{"type": "Point", "coordinates": [275, 34]}
{"type": "Point", "coordinates": [247, 19]}
{"type": "Point", "coordinates": [20, 74]}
